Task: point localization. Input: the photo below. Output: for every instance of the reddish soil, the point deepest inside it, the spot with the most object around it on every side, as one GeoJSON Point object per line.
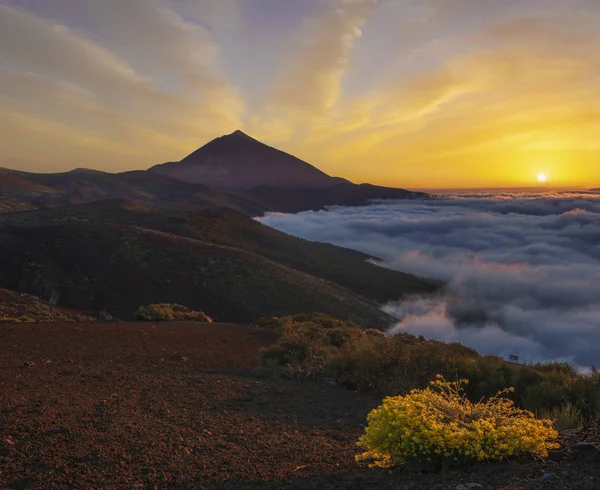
{"type": "Point", "coordinates": [184, 405]}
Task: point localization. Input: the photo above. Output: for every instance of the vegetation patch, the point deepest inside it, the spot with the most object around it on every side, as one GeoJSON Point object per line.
{"type": "Point", "coordinates": [21, 319]}
{"type": "Point", "coordinates": [315, 345]}
{"type": "Point", "coordinates": [167, 312]}
{"type": "Point", "coordinates": [22, 308]}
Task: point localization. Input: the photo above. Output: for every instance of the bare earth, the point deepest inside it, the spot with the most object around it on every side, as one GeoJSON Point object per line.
{"type": "Point", "coordinates": [184, 405]}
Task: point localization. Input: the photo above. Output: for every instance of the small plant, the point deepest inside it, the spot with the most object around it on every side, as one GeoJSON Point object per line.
{"type": "Point", "coordinates": [21, 319]}
{"type": "Point", "coordinates": [167, 312]}
{"type": "Point", "coordinates": [566, 417]}
{"type": "Point", "coordinates": [439, 426]}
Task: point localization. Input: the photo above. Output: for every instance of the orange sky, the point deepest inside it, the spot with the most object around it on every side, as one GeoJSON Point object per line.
{"type": "Point", "coordinates": [429, 93]}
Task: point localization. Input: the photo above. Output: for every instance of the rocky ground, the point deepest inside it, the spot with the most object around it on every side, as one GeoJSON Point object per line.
{"type": "Point", "coordinates": [129, 405]}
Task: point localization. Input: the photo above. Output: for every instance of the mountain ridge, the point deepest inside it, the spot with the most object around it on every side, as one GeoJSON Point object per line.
{"type": "Point", "coordinates": [234, 170]}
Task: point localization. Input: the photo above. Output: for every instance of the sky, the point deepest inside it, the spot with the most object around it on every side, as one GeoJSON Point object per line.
{"type": "Point", "coordinates": [408, 93]}
{"type": "Point", "coordinates": [533, 294]}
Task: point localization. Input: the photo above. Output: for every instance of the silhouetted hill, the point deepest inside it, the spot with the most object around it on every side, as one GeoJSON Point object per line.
{"type": "Point", "coordinates": [23, 190]}
{"type": "Point", "coordinates": [239, 161]}
{"type": "Point", "coordinates": [344, 194]}
{"type": "Point", "coordinates": [279, 181]}
{"type": "Point", "coordinates": [118, 255]}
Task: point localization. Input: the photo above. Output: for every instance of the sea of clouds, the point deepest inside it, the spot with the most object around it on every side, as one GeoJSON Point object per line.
{"type": "Point", "coordinates": [523, 270]}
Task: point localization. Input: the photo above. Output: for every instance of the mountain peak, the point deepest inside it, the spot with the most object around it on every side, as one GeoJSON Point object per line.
{"type": "Point", "coordinates": [240, 161]}
{"type": "Point", "coordinates": [240, 134]}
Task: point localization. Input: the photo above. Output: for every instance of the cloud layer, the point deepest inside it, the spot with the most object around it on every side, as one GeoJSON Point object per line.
{"type": "Point", "coordinates": [522, 269]}
{"type": "Point", "coordinates": [426, 93]}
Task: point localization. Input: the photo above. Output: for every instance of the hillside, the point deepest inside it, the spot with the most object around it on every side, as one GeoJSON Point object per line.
{"type": "Point", "coordinates": [226, 227]}
{"type": "Point", "coordinates": [117, 255]}
{"type": "Point", "coordinates": [239, 161]}
{"type": "Point", "coordinates": [342, 194]}
{"type": "Point", "coordinates": [23, 190]}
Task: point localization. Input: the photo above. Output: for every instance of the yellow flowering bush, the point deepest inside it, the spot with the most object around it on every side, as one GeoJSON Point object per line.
{"type": "Point", "coordinates": [439, 425]}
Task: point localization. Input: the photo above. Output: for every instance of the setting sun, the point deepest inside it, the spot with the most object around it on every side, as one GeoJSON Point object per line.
{"type": "Point", "coordinates": [542, 178]}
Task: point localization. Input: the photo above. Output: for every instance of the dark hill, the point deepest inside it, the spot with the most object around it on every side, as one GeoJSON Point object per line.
{"type": "Point", "coordinates": [344, 194]}
{"type": "Point", "coordinates": [226, 227]}
{"type": "Point", "coordinates": [29, 190]}
{"type": "Point", "coordinates": [239, 161]}
{"type": "Point", "coordinates": [24, 190]}
{"type": "Point", "coordinates": [117, 255]}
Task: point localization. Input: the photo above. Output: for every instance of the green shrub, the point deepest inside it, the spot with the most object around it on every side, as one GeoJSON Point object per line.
{"type": "Point", "coordinates": [369, 363]}
{"type": "Point", "coordinates": [340, 336]}
{"type": "Point", "coordinates": [21, 319]}
{"type": "Point", "coordinates": [167, 312]}
{"type": "Point", "coordinates": [367, 360]}
{"type": "Point", "coordinates": [440, 426]}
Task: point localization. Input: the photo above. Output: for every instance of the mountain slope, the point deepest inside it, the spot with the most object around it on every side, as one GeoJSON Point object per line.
{"type": "Point", "coordinates": [120, 255]}
{"type": "Point", "coordinates": [239, 161]}
{"type": "Point", "coordinates": [23, 190]}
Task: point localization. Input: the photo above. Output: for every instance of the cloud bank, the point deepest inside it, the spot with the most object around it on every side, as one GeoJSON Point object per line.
{"type": "Point", "coordinates": [522, 270]}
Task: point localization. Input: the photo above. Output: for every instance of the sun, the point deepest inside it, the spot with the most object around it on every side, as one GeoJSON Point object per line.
{"type": "Point", "coordinates": [542, 178]}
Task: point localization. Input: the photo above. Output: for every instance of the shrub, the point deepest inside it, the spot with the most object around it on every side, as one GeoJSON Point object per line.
{"type": "Point", "coordinates": [441, 426]}
{"type": "Point", "coordinates": [340, 336]}
{"type": "Point", "coordinates": [21, 319]}
{"type": "Point", "coordinates": [565, 417]}
{"type": "Point", "coordinates": [167, 312]}
{"type": "Point", "coordinates": [370, 363]}
{"type": "Point", "coordinates": [367, 360]}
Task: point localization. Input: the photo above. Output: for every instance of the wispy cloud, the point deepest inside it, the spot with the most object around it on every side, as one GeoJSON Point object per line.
{"type": "Point", "coordinates": [311, 83]}
{"type": "Point", "coordinates": [429, 93]}
{"type": "Point", "coordinates": [55, 74]}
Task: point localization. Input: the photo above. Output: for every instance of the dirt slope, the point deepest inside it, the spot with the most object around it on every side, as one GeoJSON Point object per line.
{"type": "Point", "coordinates": [182, 406]}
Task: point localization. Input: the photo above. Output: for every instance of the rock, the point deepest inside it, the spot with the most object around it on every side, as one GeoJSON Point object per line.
{"type": "Point", "coordinates": [584, 447]}
{"type": "Point", "coordinates": [474, 486]}
{"type": "Point", "coordinates": [556, 455]}
{"type": "Point", "coordinates": [460, 486]}
{"type": "Point", "coordinates": [104, 316]}
{"type": "Point", "coordinates": [586, 452]}
{"type": "Point", "coordinates": [548, 476]}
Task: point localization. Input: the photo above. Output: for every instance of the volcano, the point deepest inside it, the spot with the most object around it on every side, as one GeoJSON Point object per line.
{"type": "Point", "coordinates": [239, 161]}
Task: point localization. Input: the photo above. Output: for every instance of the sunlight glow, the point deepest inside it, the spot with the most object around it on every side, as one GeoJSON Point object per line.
{"type": "Point", "coordinates": [542, 178]}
